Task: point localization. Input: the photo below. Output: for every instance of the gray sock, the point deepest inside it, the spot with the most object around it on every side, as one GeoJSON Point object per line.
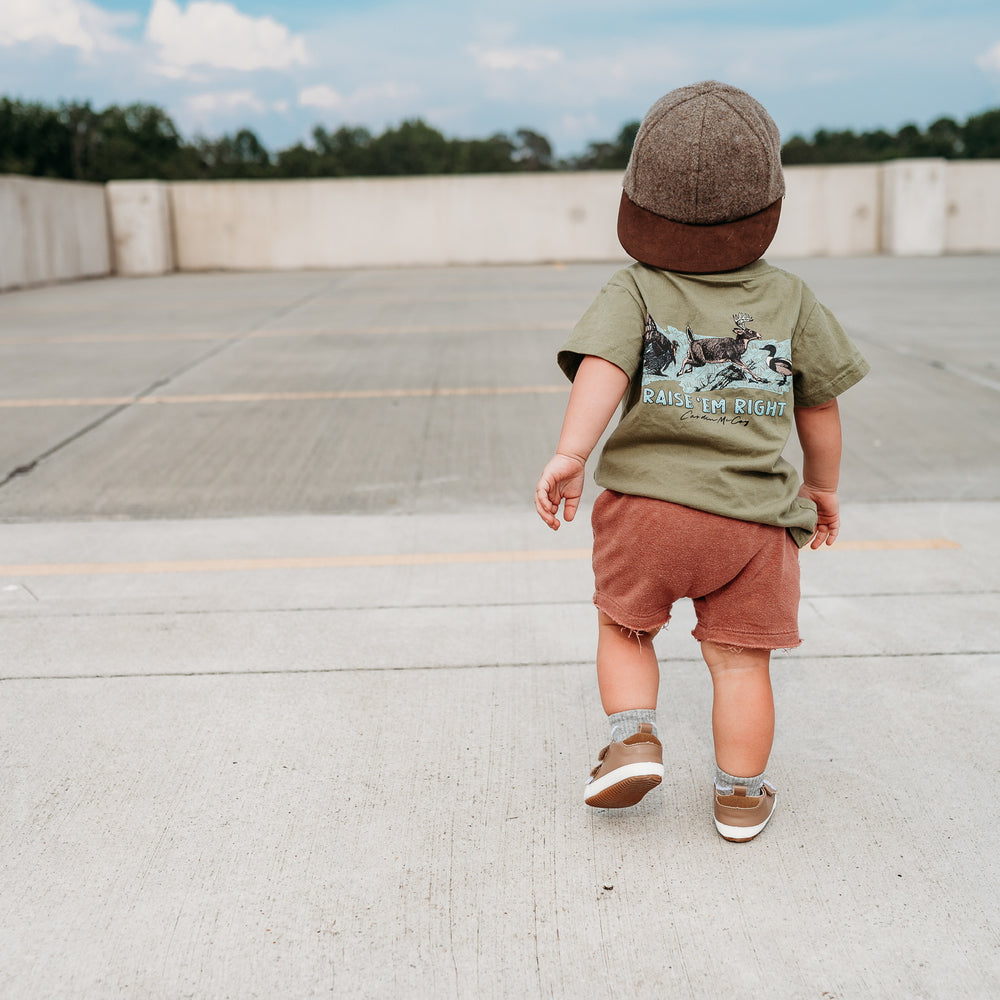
{"type": "Point", "coordinates": [725, 783]}
{"type": "Point", "coordinates": [625, 724]}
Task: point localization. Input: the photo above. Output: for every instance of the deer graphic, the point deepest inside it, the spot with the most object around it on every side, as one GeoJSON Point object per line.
{"type": "Point", "coordinates": [721, 350]}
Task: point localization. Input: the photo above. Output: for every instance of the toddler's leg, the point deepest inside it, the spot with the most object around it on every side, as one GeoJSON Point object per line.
{"type": "Point", "coordinates": [628, 677]}
{"type": "Point", "coordinates": [628, 674]}
{"type": "Point", "coordinates": [743, 730]}
{"type": "Point", "coordinates": [742, 708]}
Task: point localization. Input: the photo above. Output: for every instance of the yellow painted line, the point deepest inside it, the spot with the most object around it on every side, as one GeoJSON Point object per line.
{"type": "Point", "coordinates": [118, 338]}
{"type": "Point", "coordinates": [25, 404]}
{"type": "Point", "coordinates": [284, 397]}
{"type": "Point", "coordinates": [290, 562]}
{"type": "Point", "coordinates": [413, 328]}
{"type": "Point", "coordinates": [311, 331]}
{"type": "Point", "coordinates": [386, 559]}
{"type": "Point", "coordinates": [895, 545]}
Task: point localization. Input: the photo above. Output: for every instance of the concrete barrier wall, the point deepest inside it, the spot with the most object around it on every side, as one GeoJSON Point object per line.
{"type": "Point", "coordinates": [913, 207]}
{"type": "Point", "coordinates": [833, 212]}
{"type": "Point", "coordinates": [972, 207]}
{"type": "Point", "coordinates": [142, 229]}
{"type": "Point", "coordinates": [484, 219]}
{"type": "Point", "coordinates": [51, 231]}
{"type": "Point", "coordinates": [54, 230]}
{"type": "Point", "coordinates": [905, 207]}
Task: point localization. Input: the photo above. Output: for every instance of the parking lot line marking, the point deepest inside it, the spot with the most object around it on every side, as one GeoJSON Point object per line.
{"type": "Point", "coordinates": [389, 559]}
{"type": "Point", "coordinates": [893, 544]}
{"type": "Point", "coordinates": [290, 562]}
{"type": "Point", "coordinates": [279, 333]}
{"type": "Point", "coordinates": [284, 397]}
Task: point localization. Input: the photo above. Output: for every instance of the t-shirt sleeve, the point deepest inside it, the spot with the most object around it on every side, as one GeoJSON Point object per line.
{"type": "Point", "coordinates": [826, 361]}
{"type": "Point", "coordinates": [611, 328]}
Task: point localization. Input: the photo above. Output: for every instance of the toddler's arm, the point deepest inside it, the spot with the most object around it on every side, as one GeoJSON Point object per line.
{"type": "Point", "coordinates": [818, 429]}
{"type": "Point", "coordinates": [597, 390]}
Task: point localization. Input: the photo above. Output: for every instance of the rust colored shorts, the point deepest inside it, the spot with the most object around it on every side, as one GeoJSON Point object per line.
{"type": "Point", "coordinates": [742, 577]}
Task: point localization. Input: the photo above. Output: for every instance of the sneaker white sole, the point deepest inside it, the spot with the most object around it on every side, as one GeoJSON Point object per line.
{"type": "Point", "coordinates": [639, 778]}
{"type": "Point", "coordinates": [738, 834]}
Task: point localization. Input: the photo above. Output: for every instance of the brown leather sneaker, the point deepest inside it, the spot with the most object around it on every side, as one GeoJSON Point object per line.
{"type": "Point", "coordinates": [626, 771]}
{"type": "Point", "coordinates": [740, 817]}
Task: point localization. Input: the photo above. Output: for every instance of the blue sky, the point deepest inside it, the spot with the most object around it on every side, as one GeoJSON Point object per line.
{"type": "Point", "coordinates": [574, 71]}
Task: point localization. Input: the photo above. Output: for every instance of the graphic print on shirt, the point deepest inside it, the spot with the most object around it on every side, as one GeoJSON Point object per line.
{"type": "Point", "coordinates": [698, 363]}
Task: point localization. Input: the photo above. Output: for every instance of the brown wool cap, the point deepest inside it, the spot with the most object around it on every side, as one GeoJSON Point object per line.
{"type": "Point", "coordinates": [703, 187]}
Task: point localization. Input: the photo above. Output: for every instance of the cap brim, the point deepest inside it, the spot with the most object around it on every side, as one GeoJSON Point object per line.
{"type": "Point", "coordinates": [679, 246]}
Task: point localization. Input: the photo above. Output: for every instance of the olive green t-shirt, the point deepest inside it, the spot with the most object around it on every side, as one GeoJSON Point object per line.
{"type": "Point", "coordinates": [717, 363]}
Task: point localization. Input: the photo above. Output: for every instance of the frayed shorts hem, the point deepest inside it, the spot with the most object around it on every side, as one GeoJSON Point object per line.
{"type": "Point", "coordinates": [746, 640]}
{"type": "Point", "coordinates": [620, 616]}
{"type": "Point", "coordinates": [702, 633]}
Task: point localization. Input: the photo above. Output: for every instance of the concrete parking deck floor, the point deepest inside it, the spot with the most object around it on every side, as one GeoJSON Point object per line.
{"type": "Point", "coordinates": [297, 694]}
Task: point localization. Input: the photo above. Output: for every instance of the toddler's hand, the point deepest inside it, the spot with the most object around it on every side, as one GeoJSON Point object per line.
{"type": "Point", "coordinates": [827, 514]}
{"type": "Point", "coordinates": [561, 482]}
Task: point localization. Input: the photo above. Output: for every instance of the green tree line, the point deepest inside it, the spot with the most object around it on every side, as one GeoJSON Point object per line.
{"type": "Point", "coordinates": [978, 138]}
{"type": "Point", "coordinates": [77, 142]}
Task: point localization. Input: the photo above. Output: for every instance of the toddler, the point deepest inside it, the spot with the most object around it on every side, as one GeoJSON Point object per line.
{"type": "Point", "coordinates": [714, 356]}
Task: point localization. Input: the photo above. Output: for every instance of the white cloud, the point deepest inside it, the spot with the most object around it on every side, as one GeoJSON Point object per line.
{"type": "Point", "coordinates": [320, 96]}
{"type": "Point", "coordinates": [224, 101]}
{"type": "Point", "coordinates": [214, 34]}
{"type": "Point", "coordinates": [76, 24]}
{"type": "Point", "coordinates": [990, 60]}
{"type": "Point", "coordinates": [378, 98]}
{"type": "Point", "coordinates": [530, 59]}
